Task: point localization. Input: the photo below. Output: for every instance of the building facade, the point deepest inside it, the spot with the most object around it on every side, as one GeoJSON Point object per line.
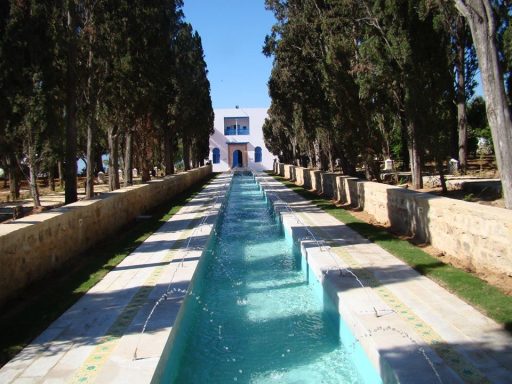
{"type": "Point", "coordinates": [238, 140]}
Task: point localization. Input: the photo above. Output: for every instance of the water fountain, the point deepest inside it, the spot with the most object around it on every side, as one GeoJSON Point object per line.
{"type": "Point", "coordinates": [226, 346]}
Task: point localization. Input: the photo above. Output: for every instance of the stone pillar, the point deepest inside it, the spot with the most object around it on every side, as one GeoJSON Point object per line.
{"type": "Point", "coordinates": [299, 176]}
{"type": "Point", "coordinates": [341, 189]}
{"type": "Point", "coordinates": [281, 169]}
{"type": "Point", "coordinates": [316, 183]}
{"type": "Point", "coordinates": [307, 178]}
{"type": "Point", "coordinates": [288, 171]}
{"type": "Point", "coordinates": [328, 181]}
{"type": "Point", "coordinates": [293, 173]}
{"type": "Point", "coordinates": [351, 191]}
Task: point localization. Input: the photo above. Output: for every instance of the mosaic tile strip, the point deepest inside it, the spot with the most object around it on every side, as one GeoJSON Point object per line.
{"type": "Point", "coordinates": [106, 344]}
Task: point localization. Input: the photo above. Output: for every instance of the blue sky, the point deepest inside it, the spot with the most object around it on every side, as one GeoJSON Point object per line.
{"type": "Point", "coordinates": [232, 33]}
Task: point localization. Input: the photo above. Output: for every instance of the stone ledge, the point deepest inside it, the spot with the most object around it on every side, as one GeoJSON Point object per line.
{"type": "Point", "coordinates": [478, 236]}
{"type": "Point", "coordinates": [32, 246]}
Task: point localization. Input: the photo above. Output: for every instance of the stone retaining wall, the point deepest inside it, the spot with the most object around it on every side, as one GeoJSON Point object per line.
{"type": "Point", "coordinates": [479, 237]}
{"type": "Point", "coordinates": [32, 246]}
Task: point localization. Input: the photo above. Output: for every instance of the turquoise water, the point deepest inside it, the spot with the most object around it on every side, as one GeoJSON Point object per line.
{"type": "Point", "coordinates": [253, 317]}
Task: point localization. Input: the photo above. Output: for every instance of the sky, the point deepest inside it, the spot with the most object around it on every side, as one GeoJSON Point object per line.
{"type": "Point", "coordinates": [232, 34]}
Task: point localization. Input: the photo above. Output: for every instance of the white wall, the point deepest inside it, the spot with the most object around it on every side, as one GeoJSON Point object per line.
{"type": "Point", "coordinates": [254, 139]}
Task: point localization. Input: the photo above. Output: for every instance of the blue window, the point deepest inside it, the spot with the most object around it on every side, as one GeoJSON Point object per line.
{"type": "Point", "coordinates": [230, 130]}
{"type": "Point", "coordinates": [216, 155]}
{"type": "Point", "coordinates": [236, 125]}
{"type": "Point", "coordinates": [257, 155]}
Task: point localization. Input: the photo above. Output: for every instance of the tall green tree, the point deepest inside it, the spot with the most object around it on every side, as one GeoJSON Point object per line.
{"type": "Point", "coordinates": [482, 21]}
{"type": "Point", "coordinates": [194, 124]}
{"type": "Point", "coordinates": [31, 86]}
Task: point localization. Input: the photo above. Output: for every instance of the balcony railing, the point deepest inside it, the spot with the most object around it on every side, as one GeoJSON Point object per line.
{"type": "Point", "coordinates": [236, 130]}
{"type": "Point", "coordinates": [243, 130]}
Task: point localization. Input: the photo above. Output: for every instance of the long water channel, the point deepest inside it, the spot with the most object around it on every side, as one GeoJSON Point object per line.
{"type": "Point", "coordinates": [254, 316]}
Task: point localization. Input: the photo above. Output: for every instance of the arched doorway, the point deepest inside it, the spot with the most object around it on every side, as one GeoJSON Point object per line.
{"type": "Point", "coordinates": [237, 159]}
{"type": "Point", "coordinates": [257, 155]}
{"type": "Point", "coordinates": [216, 155]}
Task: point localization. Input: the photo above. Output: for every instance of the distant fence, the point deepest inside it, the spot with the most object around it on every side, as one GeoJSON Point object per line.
{"type": "Point", "coordinates": [478, 236]}
{"type": "Point", "coordinates": [32, 246]}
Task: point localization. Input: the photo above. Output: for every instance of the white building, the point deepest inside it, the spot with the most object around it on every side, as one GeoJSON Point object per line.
{"type": "Point", "coordinates": [238, 140]}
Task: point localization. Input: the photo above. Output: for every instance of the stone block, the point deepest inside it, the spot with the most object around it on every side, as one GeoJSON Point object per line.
{"type": "Point", "coordinates": [288, 171]}
{"type": "Point", "coordinates": [328, 181]}
{"type": "Point", "coordinates": [316, 182]}
{"type": "Point", "coordinates": [281, 169]}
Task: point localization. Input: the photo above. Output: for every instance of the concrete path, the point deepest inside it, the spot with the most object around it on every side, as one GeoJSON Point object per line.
{"type": "Point", "coordinates": [99, 338]}
{"type": "Point", "coordinates": [403, 320]}
{"type": "Point", "coordinates": [423, 331]}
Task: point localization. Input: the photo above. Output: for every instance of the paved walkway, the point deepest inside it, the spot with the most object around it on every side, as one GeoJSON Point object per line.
{"type": "Point", "coordinates": [99, 338]}
{"type": "Point", "coordinates": [423, 331]}
{"type": "Point", "coordinates": [418, 328]}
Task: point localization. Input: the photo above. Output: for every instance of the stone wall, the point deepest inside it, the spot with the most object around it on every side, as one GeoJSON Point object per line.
{"type": "Point", "coordinates": [32, 246]}
{"type": "Point", "coordinates": [479, 237]}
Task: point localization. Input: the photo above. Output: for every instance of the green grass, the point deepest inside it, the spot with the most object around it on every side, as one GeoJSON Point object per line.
{"type": "Point", "coordinates": [25, 317]}
{"type": "Point", "coordinates": [489, 299]}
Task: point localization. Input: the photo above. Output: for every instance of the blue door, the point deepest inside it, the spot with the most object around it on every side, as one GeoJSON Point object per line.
{"type": "Point", "coordinates": [257, 155]}
{"type": "Point", "coordinates": [237, 158]}
{"type": "Point", "coordinates": [216, 155]}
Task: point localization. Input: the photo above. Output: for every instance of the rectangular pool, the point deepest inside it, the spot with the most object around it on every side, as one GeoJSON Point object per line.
{"type": "Point", "coordinates": [254, 313]}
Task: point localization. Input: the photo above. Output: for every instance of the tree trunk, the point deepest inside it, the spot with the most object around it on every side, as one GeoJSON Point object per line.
{"type": "Point", "coordinates": [347, 167]}
{"type": "Point", "coordinates": [442, 179]}
{"type": "Point", "coordinates": [330, 157]}
{"type": "Point", "coordinates": [91, 127]}
{"type": "Point", "coordinates": [34, 190]}
{"type": "Point", "coordinates": [318, 157]}
{"type": "Point", "coordinates": [169, 145]}
{"type": "Point", "coordinates": [167, 151]}
{"type": "Point", "coordinates": [414, 157]}
{"type": "Point", "coordinates": [51, 177]}
{"type": "Point", "coordinates": [71, 130]}
{"type": "Point", "coordinates": [372, 168]}
{"type": "Point", "coordinates": [404, 144]}
{"type": "Point", "coordinates": [172, 153]}
{"type": "Point", "coordinates": [113, 158]}
{"type": "Point", "coordinates": [128, 159]}
{"type": "Point", "coordinates": [145, 175]}
{"type": "Point", "coordinates": [461, 95]}
{"type": "Point", "coordinates": [89, 179]}
{"type": "Point", "coordinates": [481, 19]}
{"type": "Point", "coordinates": [14, 178]}
{"type": "Point", "coordinates": [61, 173]}
{"type": "Point", "coordinates": [32, 179]}
{"type": "Point", "coordinates": [186, 153]}
{"type": "Point", "coordinates": [310, 157]}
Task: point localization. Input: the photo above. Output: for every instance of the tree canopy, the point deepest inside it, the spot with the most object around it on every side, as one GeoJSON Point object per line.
{"type": "Point", "coordinates": [84, 79]}
{"type": "Point", "coordinates": [356, 82]}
